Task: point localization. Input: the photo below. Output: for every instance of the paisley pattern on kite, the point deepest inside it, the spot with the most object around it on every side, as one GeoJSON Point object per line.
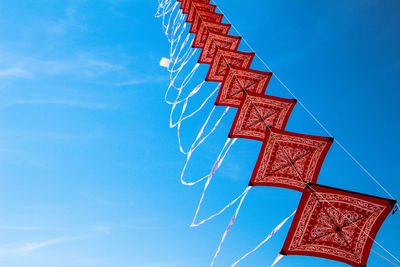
{"type": "Point", "coordinates": [329, 223]}
{"type": "Point", "coordinates": [236, 81]}
{"type": "Point", "coordinates": [336, 224]}
{"type": "Point", "coordinates": [290, 160]}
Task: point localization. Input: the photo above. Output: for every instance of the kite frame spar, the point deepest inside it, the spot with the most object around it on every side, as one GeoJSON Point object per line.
{"type": "Point", "coordinates": [220, 67]}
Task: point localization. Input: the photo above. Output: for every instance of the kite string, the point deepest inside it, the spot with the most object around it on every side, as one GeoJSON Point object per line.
{"type": "Point", "coordinates": [281, 146]}
{"type": "Point", "coordinates": [314, 192]}
{"type": "Point", "coordinates": [383, 257]}
{"type": "Point", "coordinates": [243, 88]}
{"type": "Point", "coordinates": [294, 96]}
{"type": "Point", "coordinates": [308, 111]}
{"type": "Point", "coordinates": [276, 229]}
{"type": "Point", "coordinates": [342, 148]}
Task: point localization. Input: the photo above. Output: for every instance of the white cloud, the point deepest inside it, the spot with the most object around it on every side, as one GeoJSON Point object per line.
{"type": "Point", "coordinates": [20, 228]}
{"type": "Point", "coordinates": [143, 80]}
{"type": "Point", "coordinates": [72, 103]}
{"type": "Point", "coordinates": [82, 64]}
{"type": "Point", "coordinates": [167, 263]}
{"type": "Point", "coordinates": [69, 21]}
{"type": "Point", "coordinates": [31, 247]}
{"type": "Point", "coordinates": [15, 72]}
{"type": "Point", "coordinates": [97, 199]}
{"type": "Point", "coordinates": [79, 64]}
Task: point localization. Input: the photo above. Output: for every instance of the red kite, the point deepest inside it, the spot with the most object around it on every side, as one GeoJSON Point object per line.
{"type": "Point", "coordinates": [202, 16]}
{"type": "Point", "coordinates": [223, 60]}
{"type": "Point", "coordinates": [289, 160]}
{"type": "Point", "coordinates": [336, 224]}
{"type": "Point", "coordinates": [206, 27]}
{"type": "Point", "coordinates": [257, 112]}
{"type": "Point", "coordinates": [200, 7]}
{"type": "Point", "coordinates": [236, 80]}
{"type": "Point", "coordinates": [215, 41]}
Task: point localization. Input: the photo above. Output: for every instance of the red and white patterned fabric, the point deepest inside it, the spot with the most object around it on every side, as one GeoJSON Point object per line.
{"type": "Point", "coordinates": [289, 160]}
{"type": "Point", "coordinates": [256, 112]}
{"type": "Point", "coordinates": [223, 60]}
{"type": "Point", "coordinates": [204, 28]}
{"type": "Point", "coordinates": [237, 79]}
{"type": "Point", "coordinates": [199, 7]}
{"type": "Point", "coordinates": [186, 4]}
{"type": "Point", "coordinates": [336, 224]}
{"type": "Point", "coordinates": [201, 16]}
{"type": "Point", "coordinates": [215, 41]}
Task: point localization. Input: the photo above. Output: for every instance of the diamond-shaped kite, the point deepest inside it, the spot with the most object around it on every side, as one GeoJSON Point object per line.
{"type": "Point", "coordinates": [336, 224]}
{"type": "Point", "coordinates": [289, 160]}
{"type": "Point", "coordinates": [258, 112]}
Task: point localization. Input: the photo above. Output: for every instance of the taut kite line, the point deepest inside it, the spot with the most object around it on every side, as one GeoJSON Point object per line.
{"type": "Point", "coordinates": [329, 222]}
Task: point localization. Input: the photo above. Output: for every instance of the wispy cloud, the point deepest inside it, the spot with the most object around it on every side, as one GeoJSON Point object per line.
{"type": "Point", "coordinates": [143, 227]}
{"type": "Point", "coordinates": [97, 199]}
{"type": "Point", "coordinates": [15, 72]}
{"type": "Point", "coordinates": [83, 64]}
{"type": "Point", "coordinates": [20, 228]}
{"type": "Point", "coordinates": [69, 21]}
{"type": "Point", "coordinates": [26, 158]}
{"type": "Point", "coordinates": [64, 102]}
{"type": "Point", "coordinates": [92, 260]}
{"type": "Point", "coordinates": [143, 80]}
{"type": "Point", "coordinates": [232, 171]}
{"type": "Point", "coordinates": [167, 263]}
{"type": "Point", "coordinates": [33, 246]}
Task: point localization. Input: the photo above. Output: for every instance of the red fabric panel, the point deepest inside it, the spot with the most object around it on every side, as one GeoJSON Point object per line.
{"type": "Point", "coordinates": [187, 3]}
{"type": "Point", "coordinates": [202, 16]}
{"type": "Point", "coordinates": [215, 40]}
{"type": "Point", "coordinates": [199, 7]}
{"type": "Point", "coordinates": [231, 91]}
{"type": "Point", "coordinates": [205, 28]}
{"type": "Point", "coordinates": [223, 60]}
{"type": "Point", "coordinates": [183, 3]}
{"type": "Point", "coordinates": [286, 158]}
{"type": "Point", "coordinates": [336, 224]}
{"type": "Point", "coordinates": [275, 112]}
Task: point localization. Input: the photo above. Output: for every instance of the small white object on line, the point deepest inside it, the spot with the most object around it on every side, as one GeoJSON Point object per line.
{"type": "Point", "coordinates": [165, 62]}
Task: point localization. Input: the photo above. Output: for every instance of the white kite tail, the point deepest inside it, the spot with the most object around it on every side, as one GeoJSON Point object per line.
{"type": "Point", "coordinates": [179, 123]}
{"type": "Point", "coordinates": [276, 229]}
{"type": "Point", "coordinates": [216, 214]}
{"type": "Point", "coordinates": [198, 142]}
{"type": "Point", "coordinates": [230, 225]}
{"type": "Point", "coordinates": [224, 151]}
{"type": "Point", "coordinates": [280, 256]}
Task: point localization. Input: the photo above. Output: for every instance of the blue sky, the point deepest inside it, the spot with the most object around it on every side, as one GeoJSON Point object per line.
{"type": "Point", "coordinates": [89, 171]}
